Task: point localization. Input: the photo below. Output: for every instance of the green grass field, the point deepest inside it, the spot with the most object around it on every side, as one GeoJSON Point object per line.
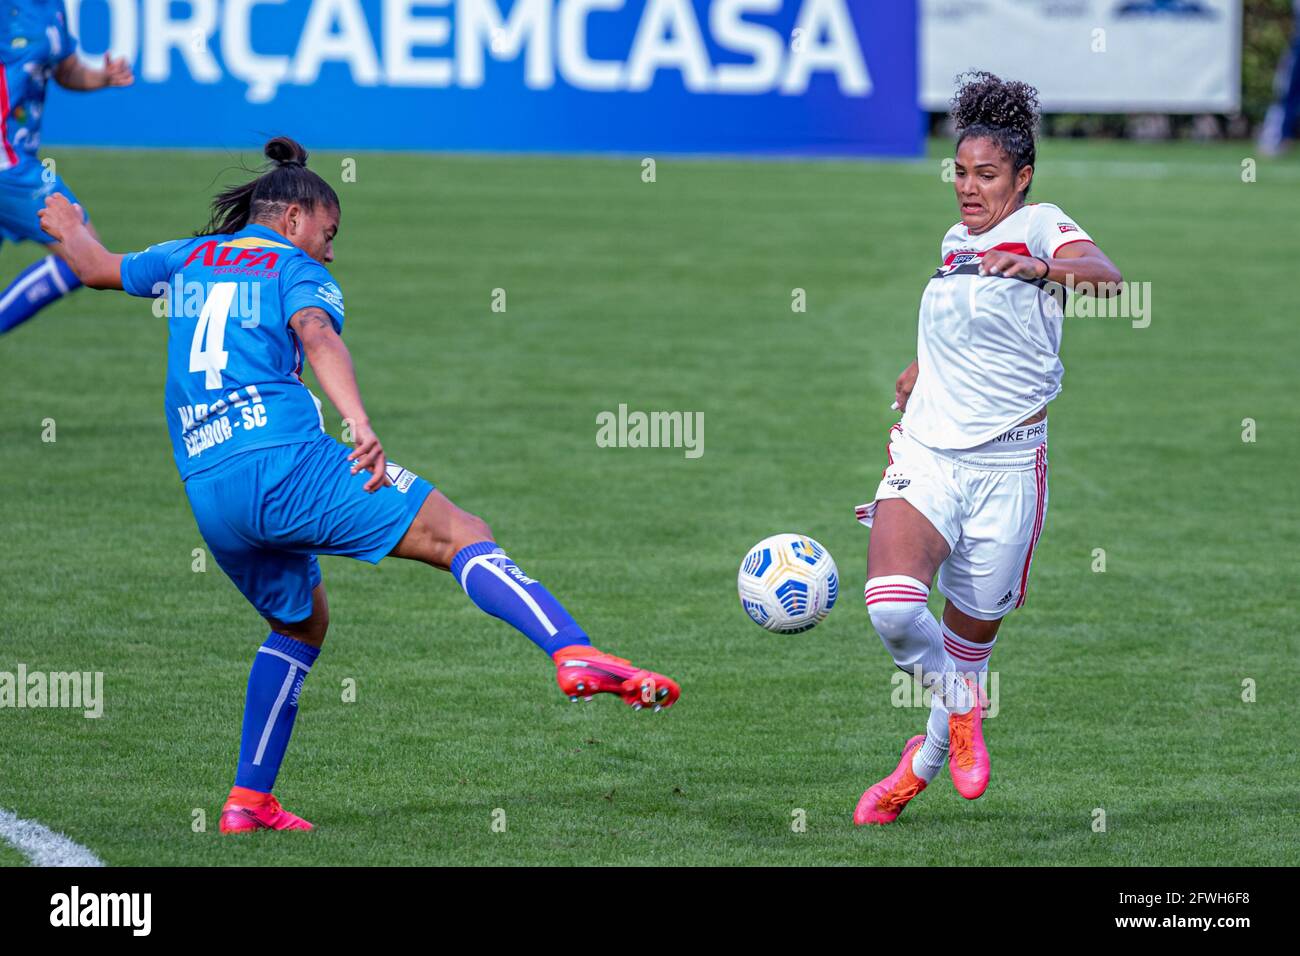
{"type": "Point", "coordinates": [1119, 690]}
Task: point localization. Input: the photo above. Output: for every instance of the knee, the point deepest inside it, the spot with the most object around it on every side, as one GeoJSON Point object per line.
{"type": "Point", "coordinates": [896, 609]}
{"type": "Point", "coordinates": [320, 626]}
{"type": "Point", "coordinates": [896, 625]}
{"type": "Point", "coordinates": [461, 531]}
{"type": "Point", "coordinates": [469, 529]}
{"type": "Point", "coordinates": [311, 631]}
{"type": "Point", "coordinates": [479, 530]}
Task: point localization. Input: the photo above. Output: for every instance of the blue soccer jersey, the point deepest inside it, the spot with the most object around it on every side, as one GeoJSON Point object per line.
{"type": "Point", "coordinates": [34, 39]}
{"type": "Point", "coordinates": [233, 362]}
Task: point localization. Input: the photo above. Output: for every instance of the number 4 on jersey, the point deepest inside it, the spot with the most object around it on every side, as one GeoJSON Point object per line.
{"type": "Point", "coordinates": [207, 352]}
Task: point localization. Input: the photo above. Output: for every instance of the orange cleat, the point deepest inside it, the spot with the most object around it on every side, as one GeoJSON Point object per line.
{"type": "Point", "coordinates": [886, 800]}
{"type": "Point", "coordinates": [582, 671]}
{"type": "Point", "coordinates": [248, 810]}
{"type": "Point", "coordinates": [968, 758]}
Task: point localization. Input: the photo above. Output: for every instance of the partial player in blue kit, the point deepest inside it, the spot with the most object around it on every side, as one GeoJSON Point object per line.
{"type": "Point", "coordinates": [249, 300]}
{"type": "Point", "coordinates": [35, 45]}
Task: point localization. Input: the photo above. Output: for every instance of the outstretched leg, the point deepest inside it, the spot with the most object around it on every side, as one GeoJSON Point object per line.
{"type": "Point", "coordinates": [444, 536]}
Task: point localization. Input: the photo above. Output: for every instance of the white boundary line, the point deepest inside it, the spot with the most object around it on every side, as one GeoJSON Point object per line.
{"type": "Point", "coordinates": [41, 845]}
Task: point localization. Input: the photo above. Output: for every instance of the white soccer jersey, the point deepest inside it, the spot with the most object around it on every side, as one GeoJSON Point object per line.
{"type": "Point", "coordinates": [988, 347]}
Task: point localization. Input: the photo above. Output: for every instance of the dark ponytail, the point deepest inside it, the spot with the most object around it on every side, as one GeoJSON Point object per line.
{"type": "Point", "coordinates": [1004, 111]}
{"type": "Point", "coordinates": [285, 180]}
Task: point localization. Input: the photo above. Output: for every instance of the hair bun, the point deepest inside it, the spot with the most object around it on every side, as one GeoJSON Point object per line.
{"type": "Point", "coordinates": [284, 151]}
{"type": "Point", "coordinates": [984, 99]}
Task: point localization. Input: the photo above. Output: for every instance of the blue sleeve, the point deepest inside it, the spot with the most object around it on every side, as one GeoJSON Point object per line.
{"type": "Point", "coordinates": [142, 271]}
{"type": "Point", "coordinates": [308, 283]}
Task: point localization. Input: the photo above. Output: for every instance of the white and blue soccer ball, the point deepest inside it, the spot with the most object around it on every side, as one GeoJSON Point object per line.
{"type": "Point", "coordinates": [788, 583]}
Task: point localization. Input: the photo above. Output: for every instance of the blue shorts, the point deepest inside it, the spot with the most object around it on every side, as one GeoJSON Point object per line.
{"type": "Point", "coordinates": [265, 515]}
{"type": "Point", "coordinates": [22, 195]}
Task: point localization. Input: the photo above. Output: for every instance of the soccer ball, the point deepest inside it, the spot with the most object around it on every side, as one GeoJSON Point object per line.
{"type": "Point", "coordinates": [788, 583]}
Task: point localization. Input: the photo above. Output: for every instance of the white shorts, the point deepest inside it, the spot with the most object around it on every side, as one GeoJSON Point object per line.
{"type": "Point", "coordinates": [988, 503]}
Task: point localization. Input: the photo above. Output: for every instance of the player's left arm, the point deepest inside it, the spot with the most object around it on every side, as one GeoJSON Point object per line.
{"type": "Point", "coordinates": [1079, 263]}
{"type": "Point", "coordinates": [73, 73]}
{"type": "Point", "coordinates": [332, 363]}
{"type": "Point", "coordinates": [1084, 269]}
{"type": "Point", "coordinates": [94, 265]}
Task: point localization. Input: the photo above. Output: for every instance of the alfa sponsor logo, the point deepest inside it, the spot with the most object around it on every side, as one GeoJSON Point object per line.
{"type": "Point", "coordinates": [247, 254]}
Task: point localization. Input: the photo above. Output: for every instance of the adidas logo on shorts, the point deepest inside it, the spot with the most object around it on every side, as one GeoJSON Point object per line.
{"type": "Point", "coordinates": [1005, 598]}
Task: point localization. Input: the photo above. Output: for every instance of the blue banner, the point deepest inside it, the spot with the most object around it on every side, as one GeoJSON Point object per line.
{"type": "Point", "coordinates": [794, 77]}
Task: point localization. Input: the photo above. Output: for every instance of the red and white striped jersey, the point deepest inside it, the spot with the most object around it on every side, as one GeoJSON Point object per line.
{"type": "Point", "coordinates": [988, 347]}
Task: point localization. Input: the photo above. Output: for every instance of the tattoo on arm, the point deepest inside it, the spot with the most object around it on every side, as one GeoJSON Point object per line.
{"type": "Point", "coordinates": [309, 321]}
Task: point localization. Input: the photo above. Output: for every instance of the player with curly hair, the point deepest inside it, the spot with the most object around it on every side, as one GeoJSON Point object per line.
{"type": "Point", "coordinates": [964, 492]}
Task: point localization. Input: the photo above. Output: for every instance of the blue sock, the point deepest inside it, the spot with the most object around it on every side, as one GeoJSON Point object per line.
{"type": "Point", "coordinates": [36, 287]}
{"type": "Point", "coordinates": [497, 586]}
{"type": "Point", "coordinates": [279, 669]}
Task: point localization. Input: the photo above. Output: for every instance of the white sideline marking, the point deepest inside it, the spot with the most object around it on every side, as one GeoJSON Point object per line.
{"type": "Point", "coordinates": [42, 845]}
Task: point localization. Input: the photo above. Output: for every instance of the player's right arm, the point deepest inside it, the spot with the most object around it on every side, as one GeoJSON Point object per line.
{"type": "Point", "coordinates": [94, 265]}
{"type": "Point", "coordinates": [332, 363]}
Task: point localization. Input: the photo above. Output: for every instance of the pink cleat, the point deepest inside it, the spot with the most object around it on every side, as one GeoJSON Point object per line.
{"type": "Point", "coordinates": [968, 758]}
{"type": "Point", "coordinates": [248, 810]}
{"type": "Point", "coordinates": [584, 671]}
{"type": "Point", "coordinates": [886, 800]}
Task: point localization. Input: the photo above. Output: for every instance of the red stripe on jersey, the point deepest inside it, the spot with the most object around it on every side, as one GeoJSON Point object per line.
{"type": "Point", "coordinates": [10, 155]}
{"type": "Point", "coordinates": [1019, 248]}
{"type": "Point", "coordinates": [1064, 244]}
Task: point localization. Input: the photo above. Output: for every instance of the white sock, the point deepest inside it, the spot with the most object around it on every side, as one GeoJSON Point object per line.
{"type": "Point", "coordinates": [933, 754]}
{"type": "Point", "coordinates": [912, 635]}
{"type": "Point", "coordinates": [971, 659]}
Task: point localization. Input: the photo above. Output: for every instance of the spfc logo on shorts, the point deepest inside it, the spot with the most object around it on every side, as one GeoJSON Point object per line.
{"type": "Point", "coordinates": [898, 484]}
